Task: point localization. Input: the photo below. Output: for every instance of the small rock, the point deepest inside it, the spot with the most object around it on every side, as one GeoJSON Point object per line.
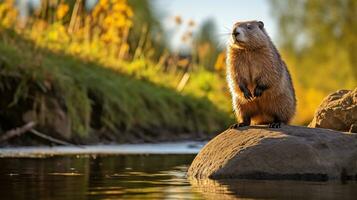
{"type": "Point", "coordinates": [338, 111]}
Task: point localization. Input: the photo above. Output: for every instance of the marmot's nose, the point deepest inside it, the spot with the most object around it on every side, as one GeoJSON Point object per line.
{"type": "Point", "coordinates": [236, 32]}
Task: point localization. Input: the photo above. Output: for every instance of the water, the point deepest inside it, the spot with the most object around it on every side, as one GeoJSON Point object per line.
{"type": "Point", "coordinates": [103, 177]}
{"type": "Point", "coordinates": [160, 176]}
{"type": "Point", "coordinates": [157, 148]}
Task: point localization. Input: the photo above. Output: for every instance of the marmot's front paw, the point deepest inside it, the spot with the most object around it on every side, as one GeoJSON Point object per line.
{"type": "Point", "coordinates": [258, 90]}
{"type": "Point", "coordinates": [248, 95]}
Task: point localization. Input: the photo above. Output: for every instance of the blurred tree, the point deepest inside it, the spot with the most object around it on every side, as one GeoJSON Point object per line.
{"type": "Point", "coordinates": [206, 44]}
{"type": "Point", "coordinates": [320, 37]}
{"type": "Point", "coordinates": [147, 32]}
{"type": "Point", "coordinates": [318, 40]}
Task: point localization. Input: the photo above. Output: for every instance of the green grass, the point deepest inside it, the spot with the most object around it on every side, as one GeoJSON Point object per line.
{"type": "Point", "coordinates": [99, 98]}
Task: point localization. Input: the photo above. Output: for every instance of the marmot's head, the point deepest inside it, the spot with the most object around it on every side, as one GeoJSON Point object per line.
{"type": "Point", "coordinates": [249, 35]}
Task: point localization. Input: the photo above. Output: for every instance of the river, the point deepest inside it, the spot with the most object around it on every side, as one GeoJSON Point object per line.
{"type": "Point", "coordinates": [150, 171]}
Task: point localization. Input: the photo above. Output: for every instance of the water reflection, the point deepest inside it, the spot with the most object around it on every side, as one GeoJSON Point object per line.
{"type": "Point", "coordinates": [243, 189]}
{"type": "Point", "coordinates": [143, 177]}
{"type": "Point", "coordinates": [114, 177]}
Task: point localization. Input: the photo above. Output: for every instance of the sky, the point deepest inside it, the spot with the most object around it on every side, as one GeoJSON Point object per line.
{"type": "Point", "coordinates": [224, 12]}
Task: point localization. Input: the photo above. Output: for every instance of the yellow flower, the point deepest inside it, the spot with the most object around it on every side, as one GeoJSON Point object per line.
{"type": "Point", "coordinates": [119, 7]}
{"type": "Point", "coordinates": [8, 13]}
{"type": "Point", "coordinates": [62, 11]}
{"type": "Point", "coordinates": [103, 3]}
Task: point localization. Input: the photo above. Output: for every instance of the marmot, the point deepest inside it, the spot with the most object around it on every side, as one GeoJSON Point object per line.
{"type": "Point", "coordinates": [259, 81]}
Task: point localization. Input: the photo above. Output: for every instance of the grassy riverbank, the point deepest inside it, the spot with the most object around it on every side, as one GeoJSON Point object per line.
{"type": "Point", "coordinates": [82, 101]}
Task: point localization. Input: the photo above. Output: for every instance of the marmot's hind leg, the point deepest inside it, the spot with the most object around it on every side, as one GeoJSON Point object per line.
{"type": "Point", "coordinates": [246, 122]}
{"type": "Point", "coordinates": [276, 123]}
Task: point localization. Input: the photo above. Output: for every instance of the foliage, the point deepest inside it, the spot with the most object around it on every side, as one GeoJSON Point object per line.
{"type": "Point", "coordinates": [318, 41]}
{"type": "Point", "coordinates": [62, 40]}
{"type": "Point", "coordinates": [206, 44]}
{"type": "Point", "coordinates": [146, 26]}
{"type": "Point", "coordinates": [7, 13]}
{"type": "Point", "coordinates": [127, 105]}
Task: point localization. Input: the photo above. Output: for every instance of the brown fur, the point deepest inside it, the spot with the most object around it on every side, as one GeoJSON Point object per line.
{"type": "Point", "coordinates": [257, 61]}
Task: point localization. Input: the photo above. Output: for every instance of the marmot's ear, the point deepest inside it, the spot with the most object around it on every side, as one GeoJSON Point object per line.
{"type": "Point", "coordinates": [260, 24]}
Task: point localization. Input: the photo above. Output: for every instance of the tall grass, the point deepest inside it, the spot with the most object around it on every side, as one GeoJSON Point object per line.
{"type": "Point", "coordinates": [84, 57]}
{"type": "Point", "coordinates": [99, 100]}
{"type": "Point", "coordinates": [101, 35]}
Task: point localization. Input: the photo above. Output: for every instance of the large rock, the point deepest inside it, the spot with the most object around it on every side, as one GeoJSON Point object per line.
{"type": "Point", "coordinates": [338, 111]}
{"type": "Point", "coordinates": [290, 152]}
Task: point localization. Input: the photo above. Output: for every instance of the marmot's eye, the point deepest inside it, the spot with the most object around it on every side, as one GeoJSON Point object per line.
{"type": "Point", "coordinates": [249, 27]}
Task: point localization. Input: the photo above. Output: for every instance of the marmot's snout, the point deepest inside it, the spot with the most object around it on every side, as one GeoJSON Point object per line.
{"type": "Point", "coordinates": [243, 32]}
{"type": "Point", "coordinates": [238, 34]}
